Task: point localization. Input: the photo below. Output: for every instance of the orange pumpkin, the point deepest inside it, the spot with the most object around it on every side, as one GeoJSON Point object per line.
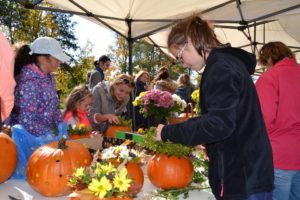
{"type": "Point", "coordinates": [76, 136]}
{"type": "Point", "coordinates": [8, 157]}
{"type": "Point", "coordinates": [135, 172]}
{"type": "Point", "coordinates": [50, 166]}
{"type": "Point", "coordinates": [168, 172]}
{"type": "Point", "coordinates": [112, 130]}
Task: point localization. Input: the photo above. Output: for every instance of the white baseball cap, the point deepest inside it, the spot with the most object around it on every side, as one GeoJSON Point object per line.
{"type": "Point", "coordinates": [47, 45]}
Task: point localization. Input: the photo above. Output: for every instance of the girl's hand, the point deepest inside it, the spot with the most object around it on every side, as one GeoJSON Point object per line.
{"type": "Point", "coordinates": [158, 132]}
{"type": "Point", "coordinates": [113, 119]}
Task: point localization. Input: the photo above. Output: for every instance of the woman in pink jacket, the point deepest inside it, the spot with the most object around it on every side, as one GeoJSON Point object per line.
{"type": "Point", "coordinates": [279, 93]}
{"type": "Point", "coordinates": [7, 81]}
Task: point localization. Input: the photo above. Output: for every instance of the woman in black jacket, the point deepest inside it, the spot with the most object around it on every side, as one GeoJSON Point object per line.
{"type": "Point", "coordinates": [141, 85]}
{"type": "Point", "coordinates": [231, 124]}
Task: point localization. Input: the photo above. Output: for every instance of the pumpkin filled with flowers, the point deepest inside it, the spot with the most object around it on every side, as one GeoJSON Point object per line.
{"type": "Point", "coordinates": [102, 180]}
{"type": "Point", "coordinates": [79, 131]}
{"type": "Point", "coordinates": [117, 155]}
{"type": "Point", "coordinates": [170, 166]}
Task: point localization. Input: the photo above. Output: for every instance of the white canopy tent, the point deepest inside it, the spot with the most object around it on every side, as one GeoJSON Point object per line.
{"type": "Point", "coordinates": [243, 23]}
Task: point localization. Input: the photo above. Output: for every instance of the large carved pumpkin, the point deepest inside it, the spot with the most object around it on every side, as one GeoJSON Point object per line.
{"type": "Point", "coordinates": [135, 172]}
{"type": "Point", "coordinates": [50, 166]}
{"type": "Point", "coordinates": [112, 130]}
{"type": "Point", "coordinates": [170, 172]}
{"type": "Point", "coordinates": [8, 157]}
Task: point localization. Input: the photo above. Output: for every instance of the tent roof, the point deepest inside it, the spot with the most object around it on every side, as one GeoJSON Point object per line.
{"type": "Point", "coordinates": [243, 23]}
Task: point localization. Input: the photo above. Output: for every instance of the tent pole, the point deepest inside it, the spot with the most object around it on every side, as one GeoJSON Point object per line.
{"type": "Point", "coordinates": [130, 41]}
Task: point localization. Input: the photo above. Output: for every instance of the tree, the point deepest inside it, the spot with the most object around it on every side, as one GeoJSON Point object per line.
{"type": "Point", "coordinates": [67, 77]}
{"type": "Point", "coordinates": [25, 25]}
{"type": "Point", "coordinates": [144, 57]}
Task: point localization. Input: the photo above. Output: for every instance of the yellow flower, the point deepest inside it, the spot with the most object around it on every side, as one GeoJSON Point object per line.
{"type": "Point", "coordinates": [81, 126]}
{"type": "Point", "coordinates": [140, 131]}
{"type": "Point", "coordinates": [104, 169]}
{"type": "Point", "coordinates": [138, 100]}
{"type": "Point", "coordinates": [79, 172]}
{"type": "Point", "coordinates": [121, 181]}
{"type": "Point", "coordinates": [100, 188]}
{"type": "Point", "coordinates": [195, 95]}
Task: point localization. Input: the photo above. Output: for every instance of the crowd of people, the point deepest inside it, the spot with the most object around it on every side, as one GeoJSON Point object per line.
{"type": "Point", "coordinates": [251, 131]}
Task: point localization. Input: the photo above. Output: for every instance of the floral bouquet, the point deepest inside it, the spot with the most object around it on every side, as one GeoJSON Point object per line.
{"type": "Point", "coordinates": [196, 98]}
{"type": "Point", "coordinates": [79, 129]}
{"type": "Point", "coordinates": [118, 154]}
{"type": "Point", "coordinates": [101, 180]}
{"type": "Point", "coordinates": [159, 104]}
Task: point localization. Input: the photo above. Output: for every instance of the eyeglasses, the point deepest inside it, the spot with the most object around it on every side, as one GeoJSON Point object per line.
{"type": "Point", "coordinates": [179, 55]}
{"type": "Point", "coordinates": [127, 82]}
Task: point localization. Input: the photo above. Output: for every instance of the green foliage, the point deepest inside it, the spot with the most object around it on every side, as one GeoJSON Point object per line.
{"type": "Point", "coordinates": [68, 77]}
{"type": "Point", "coordinates": [169, 148]}
{"type": "Point", "coordinates": [145, 57]}
{"type": "Point", "coordinates": [124, 122]}
{"type": "Point", "coordinates": [173, 194]}
{"type": "Point", "coordinates": [200, 164]}
{"type": "Point", "coordinates": [25, 25]}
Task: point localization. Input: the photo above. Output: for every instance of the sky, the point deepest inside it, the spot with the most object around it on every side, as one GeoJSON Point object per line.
{"type": "Point", "coordinates": [100, 37]}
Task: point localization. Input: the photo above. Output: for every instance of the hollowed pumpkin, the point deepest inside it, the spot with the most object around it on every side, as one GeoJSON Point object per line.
{"type": "Point", "coordinates": [135, 172]}
{"type": "Point", "coordinates": [50, 166]}
{"type": "Point", "coordinates": [8, 157]}
{"type": "Point", "coordinates": [170, 172]}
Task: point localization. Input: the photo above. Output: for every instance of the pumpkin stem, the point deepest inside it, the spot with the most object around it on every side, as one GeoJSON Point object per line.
{"type": "Point", "coordinates": [62, 143]}
{"type": "Point", "coordinates": [7, 130]}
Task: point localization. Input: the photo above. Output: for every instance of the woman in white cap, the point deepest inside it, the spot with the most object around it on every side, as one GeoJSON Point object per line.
{"type": "Point", "coordinates": [36, 116]}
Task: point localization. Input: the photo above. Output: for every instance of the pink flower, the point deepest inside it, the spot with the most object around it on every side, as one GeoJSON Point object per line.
{"type": "Point", "coordinates": [160, 104]}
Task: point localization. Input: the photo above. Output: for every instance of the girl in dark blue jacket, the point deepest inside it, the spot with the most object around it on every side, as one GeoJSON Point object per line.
{"type": "Point", "coordinates": [231, 125]}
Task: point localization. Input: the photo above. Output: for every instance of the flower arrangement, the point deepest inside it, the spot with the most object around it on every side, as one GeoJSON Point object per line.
{"type": "Point", "coordinates": [79, 129]}
{"type": "Point", "coordinates": [196, 98]}
{"type": "Point", "coordinates": [102, 180]}
{"type": "Point", "coordinates": [124, 122]}
{"type": "Point", "coordinates": [169, 148]}
{"type": "Point", "coordinates": [120, 153]}
{"type": "Point", "coordinates": [159, 104]}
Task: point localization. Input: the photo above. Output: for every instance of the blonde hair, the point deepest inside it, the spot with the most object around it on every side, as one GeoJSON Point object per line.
{"type": "Point", "coordinates": [121, 79]}
{"type": "Point", "coordinates": [141, 73]}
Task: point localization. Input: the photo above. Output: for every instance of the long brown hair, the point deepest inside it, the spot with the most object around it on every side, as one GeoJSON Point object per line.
{"type": "Point", "coordinates": [184, 80]}
{"type": "Point", "coordinates": [273, 52]}
{"type": "Point", "coordinates": [199, 31]}
{"type": "Point", "coordinates": [23, 58]}
{"type": "Point", "coordinates": [77, 95]}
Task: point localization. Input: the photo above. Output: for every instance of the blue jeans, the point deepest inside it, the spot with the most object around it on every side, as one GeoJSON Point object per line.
{"type": "Point", "coordinates": [287, 185]}
{"type": "Point", "coordinates": [261, 196]}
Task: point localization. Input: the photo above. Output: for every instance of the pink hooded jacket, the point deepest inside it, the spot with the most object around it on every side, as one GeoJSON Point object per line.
{"type": "Point", "coordinates": [7, 81]}
{"type": "Point", "coordinates": [279, 94]}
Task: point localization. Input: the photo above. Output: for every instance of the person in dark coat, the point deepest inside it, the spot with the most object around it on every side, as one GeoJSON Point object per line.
{"type": "Point", "coordinates": [231, 124]}
{"type": "Point", "coordinates": [141, 85]}
{"type": "Point", "coordinates": [185, 89]}
{"type": "Point", "coordinates": [97, 75]}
